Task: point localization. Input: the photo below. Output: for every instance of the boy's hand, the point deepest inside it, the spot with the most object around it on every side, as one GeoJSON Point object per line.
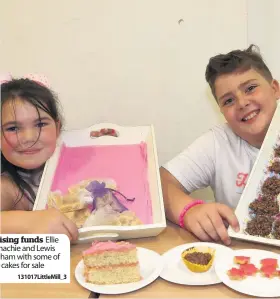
{"type": "Point", "coordinates": [51, 221]}
{"type": "Point", "coordinates": [207, 222]}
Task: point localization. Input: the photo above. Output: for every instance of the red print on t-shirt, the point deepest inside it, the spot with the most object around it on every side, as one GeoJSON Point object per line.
{"type": "Point", "coordinates": [241, 179]}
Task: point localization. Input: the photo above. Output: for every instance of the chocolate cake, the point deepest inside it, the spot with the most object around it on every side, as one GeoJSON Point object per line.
{"type": "Point", "coordinates": [264, 206]}
{"type": "Point", "coordinates": [259, 226]}
{"type": "Point", "coordinates": [271, 186]}
{"type": "Point", "coordinates": [275, 167]}
{"type": "Point", "coordinates": [199, 258]}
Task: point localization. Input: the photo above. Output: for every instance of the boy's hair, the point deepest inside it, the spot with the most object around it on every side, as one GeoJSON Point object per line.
{"type": "Point", "coordinates": [40, 97]}
{"type": "Point", "coordinates": [236, 61]}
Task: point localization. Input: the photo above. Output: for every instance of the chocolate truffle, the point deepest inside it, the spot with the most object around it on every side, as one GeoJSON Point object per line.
{"type": "Point", "coordinates": [265, 207]}
{"type": "Point", "coordinates": [277, 151]}
{"type": "Point", "coordinates": [271, 186]}
{"type": "Point", "coordinates": [275, 167]}
{"type": "Point", "coordinates": [259, 226]}
{"type": "Point", "coordinates": [276, 229]}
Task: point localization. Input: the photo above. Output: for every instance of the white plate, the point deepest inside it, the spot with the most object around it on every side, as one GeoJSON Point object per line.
{"type": "Point", "coordinates": [256, 285]}
{"type": "Point", "coordinates": [175, 270]}
{"type": "Point", "coordinates": [150, 267]}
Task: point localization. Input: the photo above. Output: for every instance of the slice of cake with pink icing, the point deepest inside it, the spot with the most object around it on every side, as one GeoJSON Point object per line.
{"type": "Point", "coordinates": [111, 263]}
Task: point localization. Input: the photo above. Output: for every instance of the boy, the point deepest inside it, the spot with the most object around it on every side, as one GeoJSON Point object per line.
{"type": "Point", "coordinates": [223, 157]}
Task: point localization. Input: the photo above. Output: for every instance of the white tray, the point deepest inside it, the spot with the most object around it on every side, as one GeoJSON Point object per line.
{"type": "Point", "coordinates": [127, 135]}
{"type": "Point", "coordinates": [255, 181]}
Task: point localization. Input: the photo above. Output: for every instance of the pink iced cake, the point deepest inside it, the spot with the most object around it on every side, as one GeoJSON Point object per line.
{"type": "Point", "coordinates": [111, 263]}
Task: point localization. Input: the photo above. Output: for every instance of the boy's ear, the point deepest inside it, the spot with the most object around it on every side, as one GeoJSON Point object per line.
{"type": "Point", "coordinates": [276, 88]}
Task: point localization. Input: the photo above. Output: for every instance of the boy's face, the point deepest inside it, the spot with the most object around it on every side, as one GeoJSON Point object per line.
{"type": "Point", "coordinates": [248, 102]}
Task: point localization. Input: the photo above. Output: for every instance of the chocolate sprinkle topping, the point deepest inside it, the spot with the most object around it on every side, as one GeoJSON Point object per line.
{"type": "Point", "coordinates": [275, 167]}
{"type": "Point", "coordinates": [276, 229]}
{"type": "Point", "coordinates": [198, 258]}
{"type": "Point", "coordinates": [271, 186]}
{"type": "Point", "coordinates": [259, 226]}
{"type": "Point", "coordinates": [277, 151]}
{"type": "Point", "coordinates": [264, 206]}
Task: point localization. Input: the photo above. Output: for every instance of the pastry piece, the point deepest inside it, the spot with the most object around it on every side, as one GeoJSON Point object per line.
{"type": "Point", "coordinates": [241, 260]}
{"type": "Point", "coordinates": [259, 226]}
{"type": "Point", "coordinates": [111, 263]}
{"type": "Point", "coordinates": [249, 269]}
{"type": "Point", "coordinates": [269, 262]}
{"type": "Point", "coordinates": [198, 259]}
{"type": "Point", "coordinates": [268, 271]}
{"type": "Point", "coordinates": [236, 274]}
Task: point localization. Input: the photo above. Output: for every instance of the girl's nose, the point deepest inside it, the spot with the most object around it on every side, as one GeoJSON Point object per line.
{"type": "Point", "coordinates": [28, 136]}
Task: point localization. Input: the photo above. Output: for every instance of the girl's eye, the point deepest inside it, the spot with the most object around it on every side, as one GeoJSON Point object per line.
{"type": "Point", "coordinates": [228, 102]}
{"type": "Point", "coordinates": [41, 124]}
{"type": "Point", "coordinates": [250, 88]}
{"type": "Point", "coordinates": [12, 129]}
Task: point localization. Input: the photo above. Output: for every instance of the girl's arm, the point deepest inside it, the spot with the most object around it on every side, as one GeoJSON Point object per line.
{"type": "Point", "coordinates": [9, 193]}
{"type": "Point", "coordinates": [49, 221]}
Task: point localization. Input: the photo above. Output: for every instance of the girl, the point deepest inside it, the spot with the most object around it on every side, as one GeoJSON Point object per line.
{"type": "Point", "coordinates": [30, 124]}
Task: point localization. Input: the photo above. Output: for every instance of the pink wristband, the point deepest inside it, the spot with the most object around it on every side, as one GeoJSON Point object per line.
{"type": "Point", "coordinates": [186, 208]}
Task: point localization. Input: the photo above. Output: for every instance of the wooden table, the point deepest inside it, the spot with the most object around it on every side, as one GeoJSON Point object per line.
{"type": "Point", "coordinates": [172, 237]}
{"type": "Point", "coordinates": [51, 290]}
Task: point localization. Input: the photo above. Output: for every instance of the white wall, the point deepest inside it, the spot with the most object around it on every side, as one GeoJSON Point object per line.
{"type": "Point", "coordinates": [264, 30]}
{"type": "Point", "coordinates": [126, 61]}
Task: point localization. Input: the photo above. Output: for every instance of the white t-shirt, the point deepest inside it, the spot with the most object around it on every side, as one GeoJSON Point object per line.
{"type": "Point", "coordinates": [219, 159]}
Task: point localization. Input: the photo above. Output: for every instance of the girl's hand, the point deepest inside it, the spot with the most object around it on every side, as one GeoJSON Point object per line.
{"type": "Point", "coordinates": [207, 222]}
{"type": "Point", "coordinates": [50, 221]}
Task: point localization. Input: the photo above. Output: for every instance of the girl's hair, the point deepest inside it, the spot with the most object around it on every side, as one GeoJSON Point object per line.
{"type": "Point", "coordinates": [40, 97]}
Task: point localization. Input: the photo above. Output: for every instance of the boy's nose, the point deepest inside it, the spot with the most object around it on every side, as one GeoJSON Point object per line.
{"type": "Point", "coordinates": [243, 101]}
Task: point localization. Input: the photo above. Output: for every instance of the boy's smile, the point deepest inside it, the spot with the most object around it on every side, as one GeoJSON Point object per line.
{"type": "Point", "coordinates": [248, 102]}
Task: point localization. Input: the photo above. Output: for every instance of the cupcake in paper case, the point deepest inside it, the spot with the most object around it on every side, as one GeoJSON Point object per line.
{"type": "Point", "coordinates": [198, 259]}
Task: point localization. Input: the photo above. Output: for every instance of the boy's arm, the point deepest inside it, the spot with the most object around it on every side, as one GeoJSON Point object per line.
{"type": "Point", "coordinates": [174, 194]}
{"type": "Point", "coordinates": [204, 221]}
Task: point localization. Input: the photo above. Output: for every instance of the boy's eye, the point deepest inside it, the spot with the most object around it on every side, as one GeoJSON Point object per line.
{"type": "Point", "coordinates": [250, 88]}
{"type": "Point", "coordinates": [228, 102]}
{"type": "Point", "coordinates": [12, 129]}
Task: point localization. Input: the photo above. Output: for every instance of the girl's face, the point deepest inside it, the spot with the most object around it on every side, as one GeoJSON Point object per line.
{"type": "Point", "coordinates": [28, 140]}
